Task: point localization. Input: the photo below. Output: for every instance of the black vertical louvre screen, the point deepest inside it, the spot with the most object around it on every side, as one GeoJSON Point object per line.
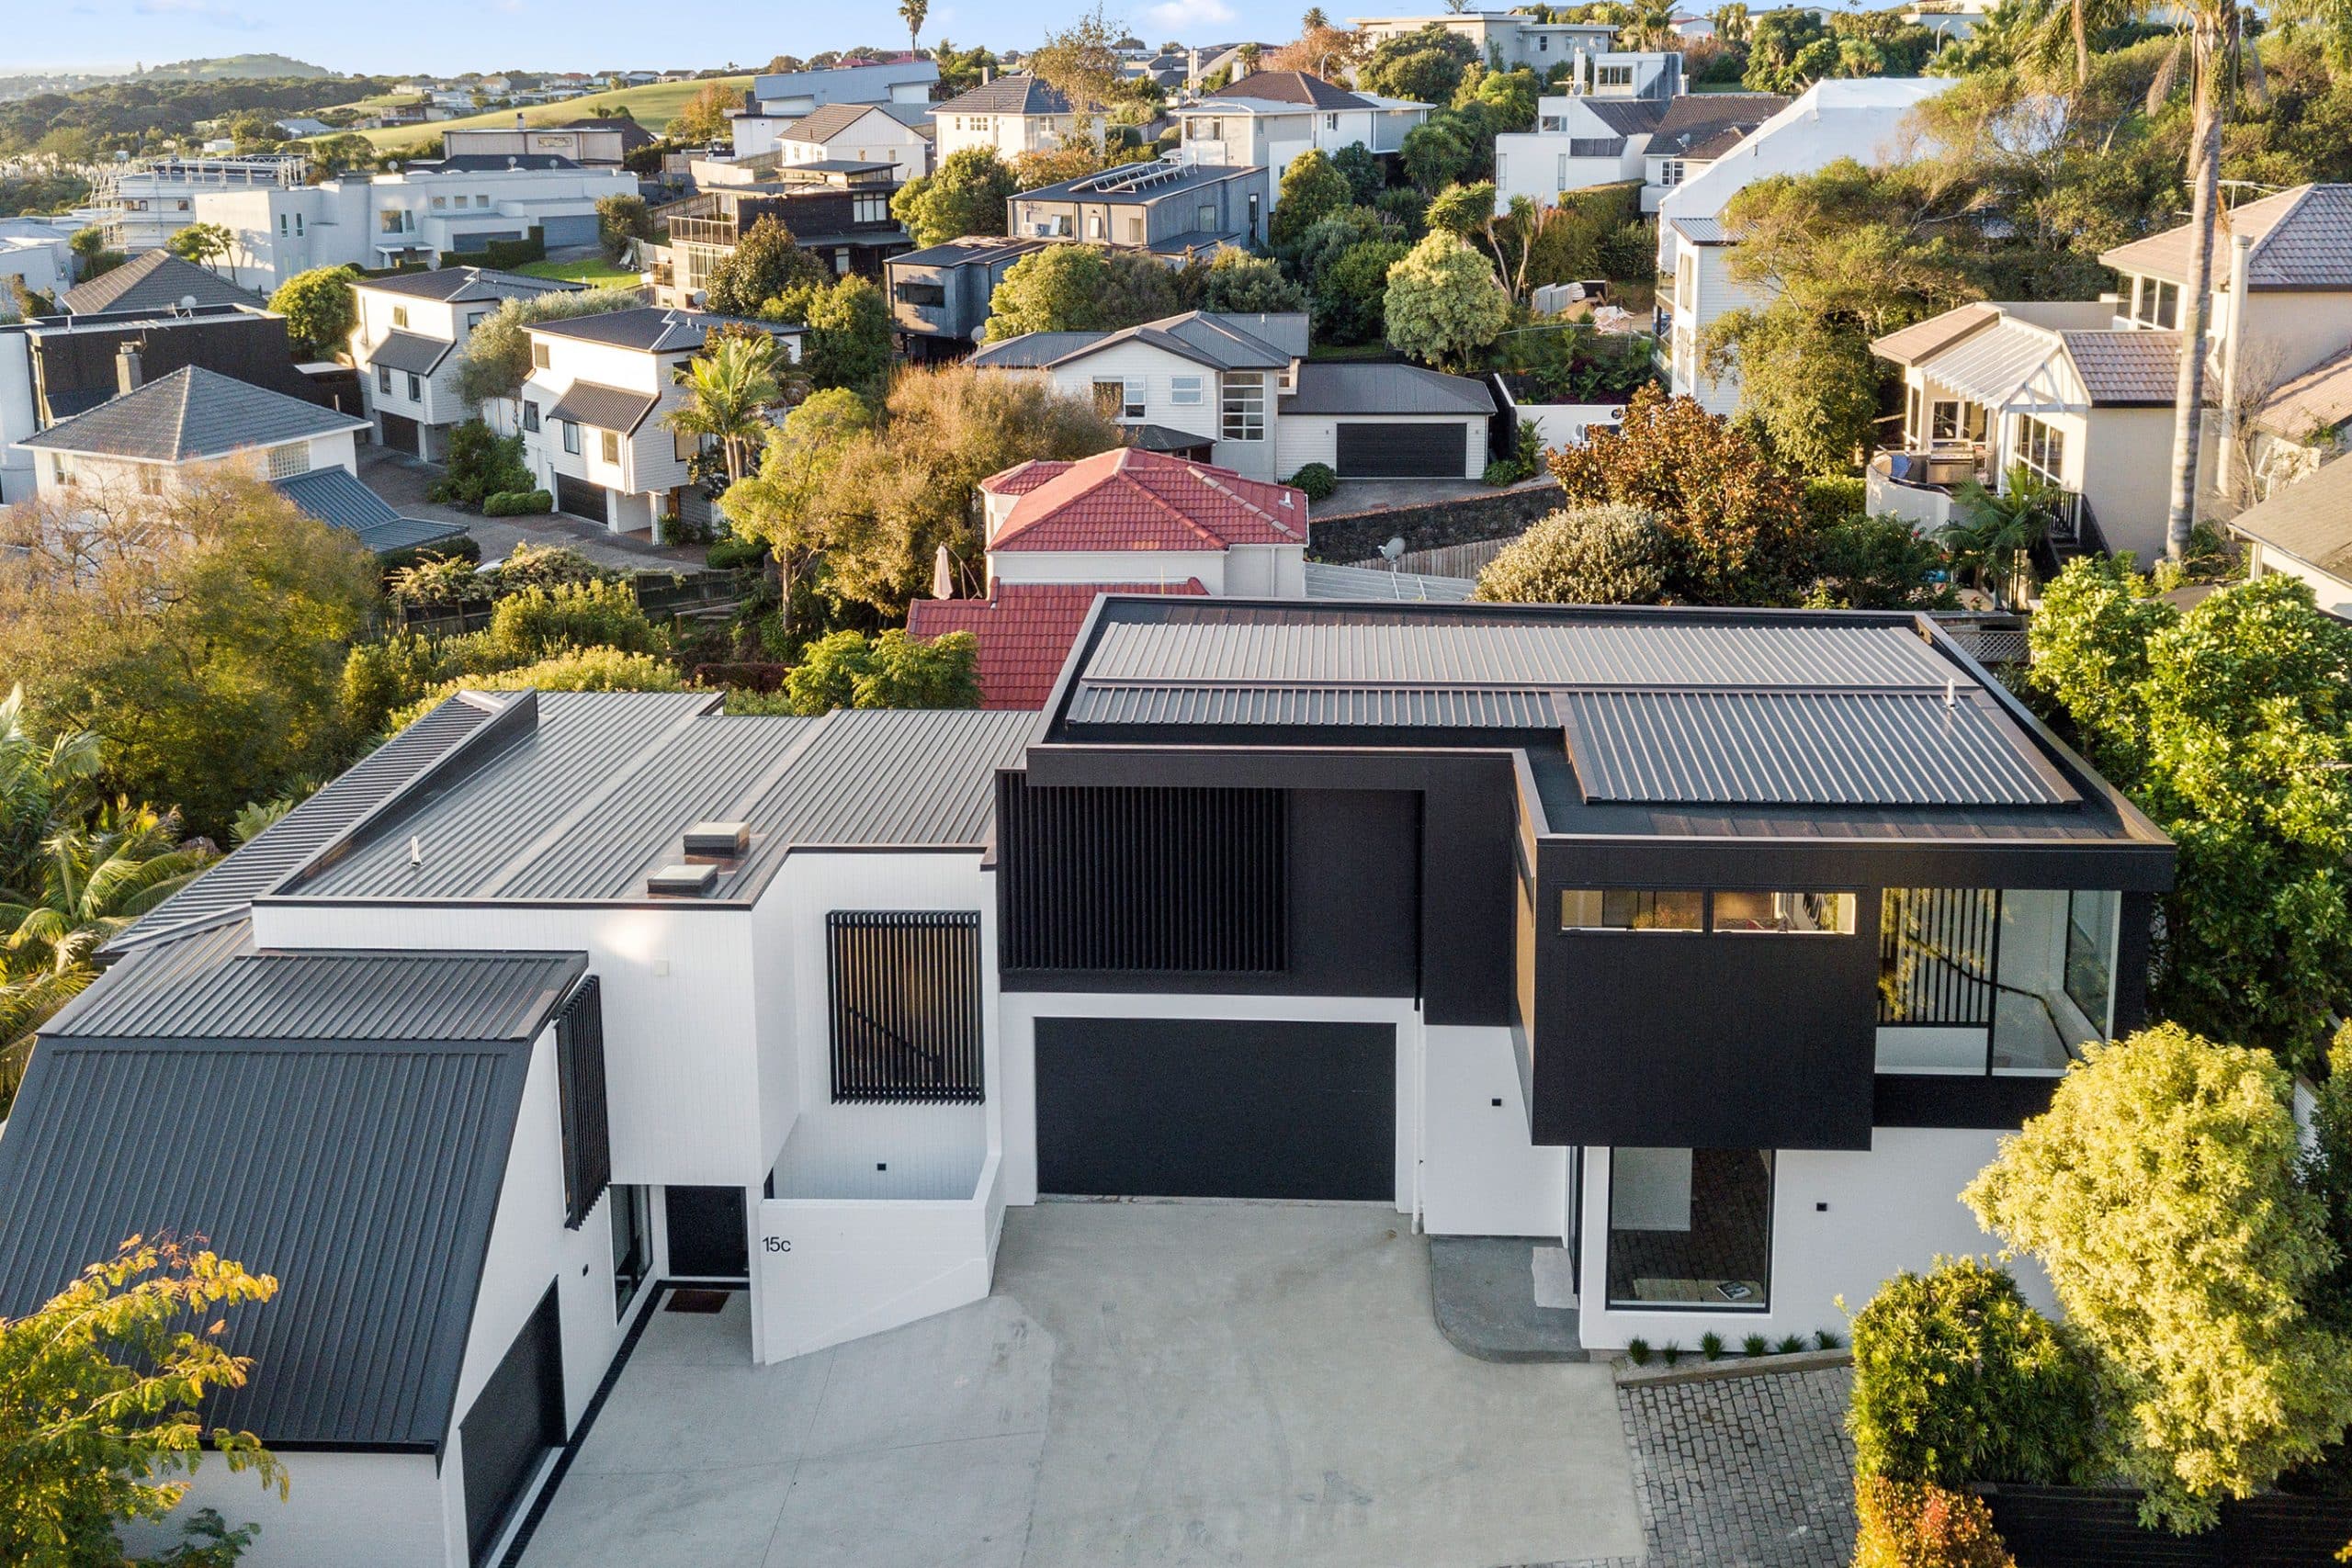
{"type": "Point", "coordinates": [906, 997]}
{"type": "Point", "coordinates": [580, 1079]}
{"type": "Point", "coordinates": [1172, 880]}
{"type": "Point", "coordinates": [1936, 953]}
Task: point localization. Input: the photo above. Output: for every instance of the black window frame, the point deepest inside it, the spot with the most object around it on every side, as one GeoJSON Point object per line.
{"type": "Point", "coordinates": [633, 1267]}
{"type": "Point", "coordinates": [904, 1005]}
{"type": "Point", "coordinates": [581, 1096]}
{"type": "Point", "coordinates": [530, 415]}
{"type": "Point", "coordinates": [1762, 1308]}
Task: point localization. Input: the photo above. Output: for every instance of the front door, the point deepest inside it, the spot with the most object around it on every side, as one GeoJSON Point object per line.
{"type": "Point", "coordinates": [708, 1239]}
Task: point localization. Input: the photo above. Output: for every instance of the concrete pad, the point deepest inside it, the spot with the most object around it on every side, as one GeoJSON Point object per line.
{"type": "Point", "coordinates": [955, 1505]}
{"type": "Point", "coordinates": [1484, 1292]}
{"type": "Point", "coordinates": [766, 1415]}
{"type": "Point", "coordinates": [691, 1518]}
{"type": "Point", "coordinates": [984, 1371]}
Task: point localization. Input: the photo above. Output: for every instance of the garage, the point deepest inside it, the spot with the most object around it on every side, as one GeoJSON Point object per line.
{"type": "Point", "coordinates": [580, 499]}
{"type": "Point", "coordinates": [515, 1420]}
{"type": "Point", "coordinates": [1185, 1108]}
{"type": "Point", "coordinates": [1387, 450]}
{"type": "Point", "coordinates": [401, 434]}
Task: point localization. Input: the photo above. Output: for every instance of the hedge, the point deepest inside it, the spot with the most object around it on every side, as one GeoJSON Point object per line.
{"type": "Point", "coordinates": [516, 503]}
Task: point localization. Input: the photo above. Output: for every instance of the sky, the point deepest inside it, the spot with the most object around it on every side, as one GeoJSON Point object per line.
{"type": "Point", "coordinates": [447, 37]}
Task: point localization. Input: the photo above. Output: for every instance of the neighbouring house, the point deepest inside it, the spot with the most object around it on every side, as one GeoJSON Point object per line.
{"type": "Point", "coordinates": [1693, 28]}
{"type": "Point", "coordinates": [896, 135]}
{"type": "Point", "coordinates": [1457, 909]}
{"type": "Point", "coordinates": [52, 367]}
{"type": "Point", "coordinates": [295, 127]}
{"type": "Point", "coordinates": [1009, 115]}
{"type": "Point", "coordinates": [940, 296]}
{"type": "Point", "coordinates": [142, 205]}
{"type": "Point", "coordinates": [2082, 395]}
{"type": "Point", "coordinates": [38, 254]}
{"type": "Point", "coordinates": [839, 212]}
{"type": "Point", "coordinates": [405, 340]}
{"type": "Point", "coordinates": [1863, 119]}
{"type": "Point", "coordinates": [1513, 37]}
{"type": "Point", "coordinates": [1240, 392]}
{"type": "Point", "coordinates": [153, 280]}
{"type": "Point", "coordinates": [590, 413]}
{"type": "Point", "coordinates": [1172, 208]}
{"type": "Point", "coordinates": [1586, 140]}
{"type": "Point", "coordinates": [146, 440]}
{"type": "Point", "coordinates": [2304, 530]}
{"type": "Point", "coordinates": [775, 101]}
{"type": "Point", "coordinates": [1269, 117]}
{"type": "Point", "coordinates": [591, 143]}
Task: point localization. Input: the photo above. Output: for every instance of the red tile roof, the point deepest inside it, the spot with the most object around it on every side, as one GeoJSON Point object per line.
{"type": "Point", "coordinates": [1026, 630]}
{"type": "Point", "coordinates": [1128, 499]}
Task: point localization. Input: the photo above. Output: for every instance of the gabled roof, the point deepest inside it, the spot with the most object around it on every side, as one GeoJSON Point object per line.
{"type": "Point", "coordinates": [411, 352]}
{"type": "Point", "coordinates": [2319, 399]}
{"type": "Point", "coordinates": [1925, 340]}
{"type": "Point", "coordinates": [1303, 88]}
{"type": "Point", "coordinates": [1696, 120]}
{"type": "Point", "coordinates": [832, 119]}
{"type": "Point", "coordinates": [336, 498]}
{"type": "Point", "coordinates": [1141, 184]}
{"type": "Point", "coordinates": [1222, 342]}
{"type": "Point", "coordinates": [1127, 499]}
{"type": "Point", "coordinates": [1024, 631]}
{"type": "Point", "coordinates": [463, 285]}
{"type": "Point", "coordinates": [1384, 389]}
{"type": "Point", "coordinates": [1006, 95]}
{"type": "Point", "coordinates": [189, 414]}
{"type": "Point", "coordinates": [1626, 116]}
{"type": "Point", "coordinates": [2302, 239]}
{"type": "Point", "coordinates": [155, 281]}
{"type": "Point", "coordinates": [1983, 352]}
{"type": "Point", "coordinates": [2310, 520]}
{"type": "Point", "coordinates": [2126, 368]}
{"type": "Point", "coordinates": [602, 407]}
{"type": "Point", "coordinates": [650, 328]}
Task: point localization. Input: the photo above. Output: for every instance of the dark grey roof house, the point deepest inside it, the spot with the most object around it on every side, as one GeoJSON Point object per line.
{"type": "Point", "coordinates": [939, 294]}
{"type": "Point", "coordinates": [193, 415]}
{"type": "Point", "coordinates": [155, 281]}
{"type": "Point", "coordinates": [1173, 210]}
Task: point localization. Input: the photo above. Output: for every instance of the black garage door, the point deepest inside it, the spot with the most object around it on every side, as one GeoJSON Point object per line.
{"type": "Point", "coordinates": [580, 498]}
{"type": "Point", "coordinates": [1181, 1108]}
{"type": "Point", "coordinates": [518, 1417]}
{"type": "Point", "coordinates": [400, 432]}
{"type": "Point", "coordinates": [1401, 451]}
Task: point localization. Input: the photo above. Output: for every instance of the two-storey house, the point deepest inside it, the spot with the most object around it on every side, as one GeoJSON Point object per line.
{"type": "Point", "coordinates": [775, 100]}
{"type": "Point", "coordinates": [151, 437]}
{"type": "Point", "coordinates": [940, 296]}
{"type": "Point", "coordinates": [1515, 37]}
{"type": "Point", "coordinates": [1593, 140]}
{"type": "Point", "coordinates": [1269, 117]}
{"type": "Point", "coordinates": [1010, 116]}
{"type": "Point", "coordinates": [1171, 208]}
{"type": "Point", "coordinates": [842, 213]}
{"type": "Point", "coordinates": [589, 143]}
{"type": "Point", "coordinates": [406, 332]}
{"type": "Point", "coordinates": [591, 411]}
{"type": "Point", "coordinates": [895, 135]}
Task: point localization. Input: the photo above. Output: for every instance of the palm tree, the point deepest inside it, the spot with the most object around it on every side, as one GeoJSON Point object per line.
{"type": "Point", "coordinates": [1990, 540]}
{"type": "Point", "coordinates": [1650, 28]}
{"type": "Point", "coordinates": [730, 385]}
{"type": "Point", "coordinates": [1313, 21]}
{"type": "Point", "coordinates": [914, 11]}
{"type": "Point", "coordinates": [1731, 22]}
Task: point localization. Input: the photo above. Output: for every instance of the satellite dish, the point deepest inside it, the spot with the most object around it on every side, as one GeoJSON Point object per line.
{"type": "Point", "coordinates": [1394, 549]}
{"type": "Point", "coordinates": [187, 302]}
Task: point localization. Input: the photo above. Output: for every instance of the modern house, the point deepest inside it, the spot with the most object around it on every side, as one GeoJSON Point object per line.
{"type": "Point", "coordinates": [406, 333]}
{"type": "Point", "coordinates": [1514, 38]}
{"type": "Point", "coordinates": [1172, 208]}
{"type": "Point", "coordinates": [1591, 140]}
{"type": "Point", "coordinates": [940, 296]}
{"type": "Point", "coordinates": [2304, 530]}
{"type": "Point", "coordinates": [777, 99]}
{"type": "Point", "coordinates": [1009, 115]}
{"type": "Point", "coordinates": [1864, 119]}
{"type": "Point", "coordinates": [37, 253]}
{"type": "Point", "coordinates": [897, 135]}
{"type": "Point", "coordinates": [841, 213]}
{"type": "Point", "coordinates": [153, 281]}
{"type": "Point", "coordinates": [141, 205]}
{"type": "Point", "coordinates": [1238, 391]}
{"type": "Point", "coordinates": [1269, 117]}
{"type": "Point", "coordinates": [591, 412]}
{"type": "Point", "coordinates": [1460, 910]}
{"type": "Point", "coordinates": [2083, 395]}
{"type": "Point", "coordinates": [145, 441]}
{"type": "Point", "coordinates": [591, 143]}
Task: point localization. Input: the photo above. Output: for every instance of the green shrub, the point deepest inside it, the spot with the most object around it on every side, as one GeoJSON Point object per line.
{"type": "Point", "coordinates": [1609, 554]}
{"type": "Point", "coordinates": [479, 464]}
{"type": "Point", "coordinates": [735, 552]}
{"type": "Point", "coordinates": [545, 566]}
{"type": "Point", "coordinates": [1904, 1524]}
{"type": "Point", "coordinates": [1756, 1344]}
{"type": "Point", "coordinates": [517, 504]}
{"type": "Point", "coordinates": [573, 669]}
{"type": "Point", "coordinates": [463, 547]}
{"type": "Point", "coordinates": [1958, 1379]}
{"type": "Point", "coordinates": [539, 621]}
{"type": "Point", "coordinates": [1525, 462]}
{"type": "Point", "coordinates": [1672, 1351]}
{"type": "Point", "coordinates": [438, 579]}
{"type": "Point", "coordinates": [1830, 499]}
{"type": "Point", "coordinates": [380, 678]}
{"type": "Point", "coordinates": [1823, 1339]}
{"type": "Point", "coordinates": [1638, 1350]}
{"type": "Point", "coordinates": [1315, 481]}
{"type": "Point", "coordinates": [1711, 1345]}
{"type": "Point", "coordinates": [1790, 1344]}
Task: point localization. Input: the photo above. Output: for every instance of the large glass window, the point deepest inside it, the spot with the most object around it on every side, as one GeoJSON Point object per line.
{"type": "Point", "coordinates": [1632, 909]}
{"type": "Point", "coordinates": [1245, 406]}
{"type": "Point", "coordinates": [1977, 980]}
{"type": "Point", "coordinates": [2091, 924]}
{"type": "Point", "coordinates": [1828, 914]}
{"type": "Point", "coordinates": [632, 1243]}
{"type": "Point", "coordinates": [1691, 1228]}
{"type": "Point", "coordinates": [2156, 303]}
{"type": "Point", "coordinates": [2042, 448]}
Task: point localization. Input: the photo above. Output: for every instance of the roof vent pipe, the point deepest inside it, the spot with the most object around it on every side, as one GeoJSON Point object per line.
{"type": "Point", "coordinates": [1951, 692]}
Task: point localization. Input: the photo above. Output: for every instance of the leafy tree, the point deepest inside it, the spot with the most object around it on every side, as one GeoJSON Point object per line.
{"type": "Point", "coordinates": [2159, 1193]}
{"type": "Point", "coordinates": [1243, 284]}
{"type": "Point", "coordinates": [1509, 97]}
{"type": "Point", "coordinates": [766, 262]}
{"type": "Point", "coordinates": [1327, 237]}
{"type": "Point", "coordinates": [1443, 305]}
{"type": "Point", "coordinates": [778, 505]}
{"type": "Point", "coordinates": [201, 632]}
{"type": "Point", "coordinates": [1788, 50]}
{"type": "Point", "coordinates": [101, 1392]}
{"type": "Point", "coordinates": [619, 219]}
{"type": "Point", "coordinates": [573, 670]}
{"type": "Point", "coordinates": [705, 117]}
{"type": "Point", "coordinates": [207, 244]}
{"type": "Point", "coordinates": [1917, 1524]}
{"type": "Point", "coordinates": [2227, 724]}
{"type": "Point", "coordinates": [1436, 154]}
{"type": "Point", "coordinates": [959, 69]}
{"type": "Point", "coordinates": [2328, 1174]}
{"type": "Point", "coordinates": [967, 196]}
{"type": "Point", "coordinates": [891, 671]}
{"type": "Point", "coordinates": [1367, 177]}
{"type": "Point", "coordinates": [538, 622]}
{"type": "Point", "coordinates": [848, 323]}
{"type": "Point", "coordinates": [1312, 188]}
{"type": "Point", "coordinates": [1609, 554]}
{"type": "Point", "coordinates": [1080, 62]}
{"type": "Point", "coordinates": [1351, 301]}
{"type": "Point", "coordinates": [495, 359]}
{"type": "Point", "coordinates": [319, 307]}
{"type": "Point", "coordinates": [730, 385]}
{"type": "Point", "coordinates": [1737, 519]}
{"type": "Point", "coordinates": [1089, 289]}
{"type": "Point", "coordinates": [1426, 66]}
{"type": "Point", "coordinates": [1861, 562]}
{"type": "Point", "coordinates": [480, 463]}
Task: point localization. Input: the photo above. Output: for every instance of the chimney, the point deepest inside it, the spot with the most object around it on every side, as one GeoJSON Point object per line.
{"type": "Point", "coordinates": [988, 75]}
{"type": "Point", "coordinates": [127, 377]}
{"type": "Point", "coordinates": [518, 119]}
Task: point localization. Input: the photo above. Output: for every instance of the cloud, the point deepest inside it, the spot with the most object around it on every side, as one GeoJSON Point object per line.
{"type": "Point", "coordinates": [1175, 17]}
{"type": "Point", "coordinates": [212, 13]}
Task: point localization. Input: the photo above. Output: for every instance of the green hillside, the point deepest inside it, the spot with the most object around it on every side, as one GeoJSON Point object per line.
{"type": "Point", "coordinates": [240, 67]}
{"type": "Point", "coordinates": [654, 108]}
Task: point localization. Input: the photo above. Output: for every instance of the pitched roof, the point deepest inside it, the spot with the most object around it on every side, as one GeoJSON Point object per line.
{"type": "Point", "coordinates": [1007, 95]}
{"type": "Point", "coordinates": [411, 352]}
{"type": "Point", "coordinates": [1626, 116]}
{"type": "Point", "coordinates": [2310, 520]}
{"type": "Point", "coordinates": [189, 414]}
{"type": "Point", "coordinates": [1301, 88]}
{"type": "Point", "coordinates": [1223, 341]}
{"type": "Point", "coordinates": [2319, 399]}
{"type": "Point", "coordinates": [1024, 631]}
{"type": "Point", "coordinates": [1128, 499]}
{"type": "Point", "coordinates": [2126, 368]}
{"type": "Point", "coordinates": [336, 498]}
{"type": "Point", "coordinates": [1925, 340]}
{"type": "Point", "coordinates": [604, 408]}
{"type": "Point", "coordinates": [1389, 388]}
{"type": "Point", "coordinates": [154, 281]}
{"type": "Point", "coordinates": [650, 328]}
{"type": "Point", "coordinates": [2302, 239]}
{"type": "Point", "coordinates": [1695, 117]}
{"type": "Point", "coordinates": [298, 1112]}
{"type": "Point", "coordinates": [460, 284]}
{"type": "Point", "coordinates": [1140, 184]}
{"type": "Point", "coordinates": [831, 121]}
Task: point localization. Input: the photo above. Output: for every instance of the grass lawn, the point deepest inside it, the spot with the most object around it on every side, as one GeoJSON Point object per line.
{"type": "Point", "coordinates": [591, 270]}
{"type": "Point", "coordinates": [653, 106]}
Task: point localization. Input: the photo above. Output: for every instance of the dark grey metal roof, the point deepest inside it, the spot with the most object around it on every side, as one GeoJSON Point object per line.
{"type": "Point", "coordinates": [192, 413]}
{"type": "Point", "coordinates": [1140, 184]}
{"type": "Point", "coordinates": [1627, 117]}
{"type": "Point", "coordinates": [411, 352]}
{"type": "Point", "coordinates": [606, 408]}
{"type": "Point", "coordinates": [155, 281]}
{"type": "Point", "coordinates": [1803, 749]}
{"type": "Point", "coordinates": [1382, 388]}
{"type": "Point", "coordinates": [1031, 351]}
{"type": "Point", "coordinates": [459, 285]}
{"type": "Point", "coordinates": [336, 497]}
{"type": "Point", "coordinates": [363, 1172]}
{"type": "Point", "coordinates": [652, 328]}
{"type": "Point", "coordinates": [1382, 708]}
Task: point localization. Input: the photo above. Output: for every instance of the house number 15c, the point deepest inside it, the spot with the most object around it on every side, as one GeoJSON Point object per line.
{"type": "Point", "coordinates": [775, 1243]}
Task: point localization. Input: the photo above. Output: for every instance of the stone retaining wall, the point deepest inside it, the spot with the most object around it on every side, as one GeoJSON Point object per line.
{"type": "Point", "coordinates": [1358, 535]}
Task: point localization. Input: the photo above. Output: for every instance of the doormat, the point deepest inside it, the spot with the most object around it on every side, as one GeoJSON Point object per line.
{"type": "Point", "coordinates": [696, 1301]}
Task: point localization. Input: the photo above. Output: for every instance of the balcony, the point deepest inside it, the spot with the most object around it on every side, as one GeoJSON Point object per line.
{"type": "Point", "coordinates": [1917, 483]}
{"type": "Point", "coordinates": [702, 231]}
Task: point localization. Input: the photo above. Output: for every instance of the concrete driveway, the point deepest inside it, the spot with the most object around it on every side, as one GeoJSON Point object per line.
{"type": "Point", "coordinates": [1151, 1384]}
{"type": "Point", "coordinates": [403, 479]}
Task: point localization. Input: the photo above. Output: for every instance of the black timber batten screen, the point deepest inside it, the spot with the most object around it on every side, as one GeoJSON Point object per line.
{"type": "Point", "coordinates": [906, 1006]}
{"type": "Point", "coordinates": [1937, 953]}
{"type": "Point", "coordinates": [580, 1074]}
{"type": "Point", "coordinates": [1144, 880]}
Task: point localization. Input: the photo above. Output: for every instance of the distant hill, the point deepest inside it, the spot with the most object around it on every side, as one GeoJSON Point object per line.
{"type": "Point", "coordinates": [240, 67]}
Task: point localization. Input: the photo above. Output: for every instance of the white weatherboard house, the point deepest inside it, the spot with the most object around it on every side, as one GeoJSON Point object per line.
{"type": "Point", "coordinates": [405, 343]}
{"type": "Point", "coordinates": [572, 992]}
{"type": "Point", "coordinates": [1010, 116]}
{"type": "Point", "coordinates": [1588, 139]}
{"type": "Point", "coordinates": [1859, 120]}
{"type": "Point", "coordinates": [1241, 392]}
{"type": "Point", "coordinates": [897, 135]}
{"type": "Point", "coordinates": [1269, 117]}
{"type": "Point", "coordinates": [591, 412]}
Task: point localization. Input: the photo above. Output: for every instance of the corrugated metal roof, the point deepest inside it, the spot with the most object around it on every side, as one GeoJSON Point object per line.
{"type": "Point", "coordinates": [1802, 749]}
{"type": "Point", "coordinates": [1307, 649]}
{"type": "Point", "coordinates": [896, 776]}
{"type": "Point", "coordinates": [1372, 583]}
{"type": "Point", "coordinates": [336, 498]}
{"type": "Point", "coordinates": [411, 352]}
{"type": "Point", "coordinates": [1924, 340]}
{"type": "Point", "coordinates": [1389, 707]}
{"type": "Point", "coordinates": [458, 285]}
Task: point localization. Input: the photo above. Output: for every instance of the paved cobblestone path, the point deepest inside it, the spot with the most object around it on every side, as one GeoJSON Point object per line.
{"type": "Point", "coordinates": [1744, 1473]}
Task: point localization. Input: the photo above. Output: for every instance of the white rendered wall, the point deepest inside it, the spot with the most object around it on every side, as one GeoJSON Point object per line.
{"type": "Point", "coordinates": [17, 418]}
{"type": "Point", "coordinates": [1304, 438]}
{"type": "Point", "coordinates": [1481, 1173]}
{"type": "Point", "coordinates": [353, 1510]}
{"type": "Point", "coordinates": [1111, 566]}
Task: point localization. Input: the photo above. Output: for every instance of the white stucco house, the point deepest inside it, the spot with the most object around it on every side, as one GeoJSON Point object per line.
{"type": "Point", "coordinates": [893, 134]}
{"type": "Point", "coordinates": [1585, 140]}
{"type": "Point", "coordinates": [1269, 117]}
{"type": "Point", "coordinates": [1009, 115]}
{"type": "Point", "coordinates": [404, 341]}
{"type": "Point", "coordinates": [1515, 37]}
